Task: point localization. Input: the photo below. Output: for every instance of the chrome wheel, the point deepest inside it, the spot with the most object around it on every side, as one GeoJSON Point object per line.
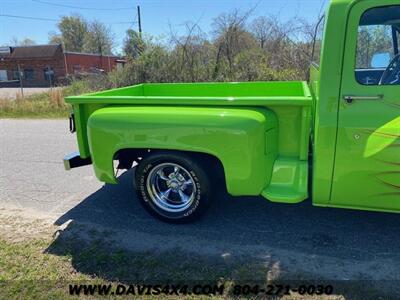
{"type": "Point", "coordinates": [171, 187]}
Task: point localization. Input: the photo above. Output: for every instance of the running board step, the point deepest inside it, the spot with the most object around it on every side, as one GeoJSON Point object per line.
{"type": "Point", "coordinates": [289, 183]}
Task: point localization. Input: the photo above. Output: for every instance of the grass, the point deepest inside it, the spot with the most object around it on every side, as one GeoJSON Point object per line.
{"type": "Point", "coordinates": [25, 271]}
{"type": "Point", "coordinates": [29, 271]}
{"type": "Point", "coordinates": [48, 104]}
{"type": "Point", "coordinates": [43, 269]}
{"type": "Point", "coordinates": [43, 105]}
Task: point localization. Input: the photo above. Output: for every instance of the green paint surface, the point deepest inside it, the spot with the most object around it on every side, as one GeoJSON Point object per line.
{"type": "Point", "coordinates": [260, 131]}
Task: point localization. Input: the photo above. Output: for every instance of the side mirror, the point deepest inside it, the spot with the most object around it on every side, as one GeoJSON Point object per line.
{"type": "Point", "coordinates": [380, 60]}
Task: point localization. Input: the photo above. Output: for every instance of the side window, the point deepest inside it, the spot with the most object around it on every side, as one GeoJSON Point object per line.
{"type": "Point", "coordinates": [374, 41]}
{"type": "Point", "coordinates": [29, 74]}
{"type": "Point", "coordinates": [49, 74]}
{"type": "Point", "coordinates": [15, 75]}
{"type": "Point", "coordinates": [317, 44]}
{"type": "Point", "coordinates": [377, 59]}
{"type": "Point", "coordinates": [3, 75]}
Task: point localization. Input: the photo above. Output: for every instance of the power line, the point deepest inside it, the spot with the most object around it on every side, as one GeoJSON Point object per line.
{"type": "Point", "coordinates": [51, 20]}
{"type": "Point", "coordinates": [79, 7]}
{"type": "Point", "coordinates": [134, 22]}
{"type": "Point", "coordinates": [28, 18]}
{"type": "Point", "coordinates": [123, 22]}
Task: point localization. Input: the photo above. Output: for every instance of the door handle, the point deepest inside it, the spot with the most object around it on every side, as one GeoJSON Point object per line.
{"type": "Point", "coordinates": [350, 99]}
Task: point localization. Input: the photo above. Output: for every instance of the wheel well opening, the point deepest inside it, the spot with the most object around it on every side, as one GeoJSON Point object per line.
{"type": "Point", "coordinates": [127, 157]}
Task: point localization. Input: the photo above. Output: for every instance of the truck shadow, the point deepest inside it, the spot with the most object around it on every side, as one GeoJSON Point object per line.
{"type": "Point", "coordinates": [246, 229]}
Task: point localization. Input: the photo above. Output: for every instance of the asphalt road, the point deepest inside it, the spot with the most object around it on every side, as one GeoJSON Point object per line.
{"type": "Point", "coordinates": [341, 244]}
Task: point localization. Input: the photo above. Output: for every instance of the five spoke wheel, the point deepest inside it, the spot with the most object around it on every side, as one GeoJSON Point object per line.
{"type": "Point", "coordinates": [171, 187]}
{"type": "Point", "coordinates": [174, 186]}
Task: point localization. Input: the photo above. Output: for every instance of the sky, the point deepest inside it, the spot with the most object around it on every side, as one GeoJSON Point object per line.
{"type": "Point", "coordinates": [157, 16]}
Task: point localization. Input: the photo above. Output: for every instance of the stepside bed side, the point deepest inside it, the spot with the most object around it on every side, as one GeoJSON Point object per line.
{"type": "Point", "coordinates": [236, 136]}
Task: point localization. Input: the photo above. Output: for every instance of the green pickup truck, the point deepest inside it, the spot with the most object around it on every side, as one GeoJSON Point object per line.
{"type": "Point", "coordinates": [334, 139]}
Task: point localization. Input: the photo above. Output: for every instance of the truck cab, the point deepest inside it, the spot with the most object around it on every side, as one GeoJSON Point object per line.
{"type": "Point", "coordinates": [334, 139]}
{"type": "Point", "coordinates": [356, 88]}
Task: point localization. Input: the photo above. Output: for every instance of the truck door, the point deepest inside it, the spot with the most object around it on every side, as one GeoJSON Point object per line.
{"type": "Point", "coordinates": [367, 161]}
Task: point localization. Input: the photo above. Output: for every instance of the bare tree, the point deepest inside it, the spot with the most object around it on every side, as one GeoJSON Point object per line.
{"type": "Point", "coordinates": [288, 44]}
{"type": "Point", "coordinates": [262, 28]}
{"type": "Point", "coordinates": [190, 52]}
{"type": "Point", "coordinates": [240, 49]}
{"type": "Point", "coordinates": [231, 37]}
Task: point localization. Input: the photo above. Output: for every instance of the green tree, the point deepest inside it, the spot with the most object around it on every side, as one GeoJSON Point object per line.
{"type": "Point", "coordinates": [27, 42]}
{"type": "Point", "coordinates": [73, 32]}
{"type": "Point", "coordinates": [98, 39]}
{"type": "Point", "coordinates": [24, 42]}
{"type": "Point", "coordinates": [133, 44]}
{"type": "Point", "coordinates": [55, 38]}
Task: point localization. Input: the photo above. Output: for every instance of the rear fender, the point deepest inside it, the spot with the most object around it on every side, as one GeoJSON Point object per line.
{"type": "Point", "coordinates": [239, 137]}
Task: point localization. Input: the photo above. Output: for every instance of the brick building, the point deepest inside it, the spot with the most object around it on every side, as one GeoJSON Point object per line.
{"type": "Point", "coordinates": [77, 63]}
{"type": "Point", "coordinates": [45, 65]}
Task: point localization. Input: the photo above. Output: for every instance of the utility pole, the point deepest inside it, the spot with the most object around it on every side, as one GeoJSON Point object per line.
{"type": "Point", "coordinates": [139, 20]}
{"type": "Point", "coordinates": [20, 76]}
{"type": "Point", "coordinates": [50, 73]}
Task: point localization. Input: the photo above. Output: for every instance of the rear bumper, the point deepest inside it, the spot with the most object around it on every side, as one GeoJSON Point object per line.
{"type": "Point", "coordinates": [74, 160]}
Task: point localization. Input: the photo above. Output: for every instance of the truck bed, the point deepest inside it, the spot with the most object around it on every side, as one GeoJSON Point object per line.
{"type": "Point", "coordinates": [244, 93]}
{"type": "Point", "coordinates": [289, 101]}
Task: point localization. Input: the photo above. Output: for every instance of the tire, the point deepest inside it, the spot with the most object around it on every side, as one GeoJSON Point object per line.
{"type": "Point", "coordinates": [173, 186]}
